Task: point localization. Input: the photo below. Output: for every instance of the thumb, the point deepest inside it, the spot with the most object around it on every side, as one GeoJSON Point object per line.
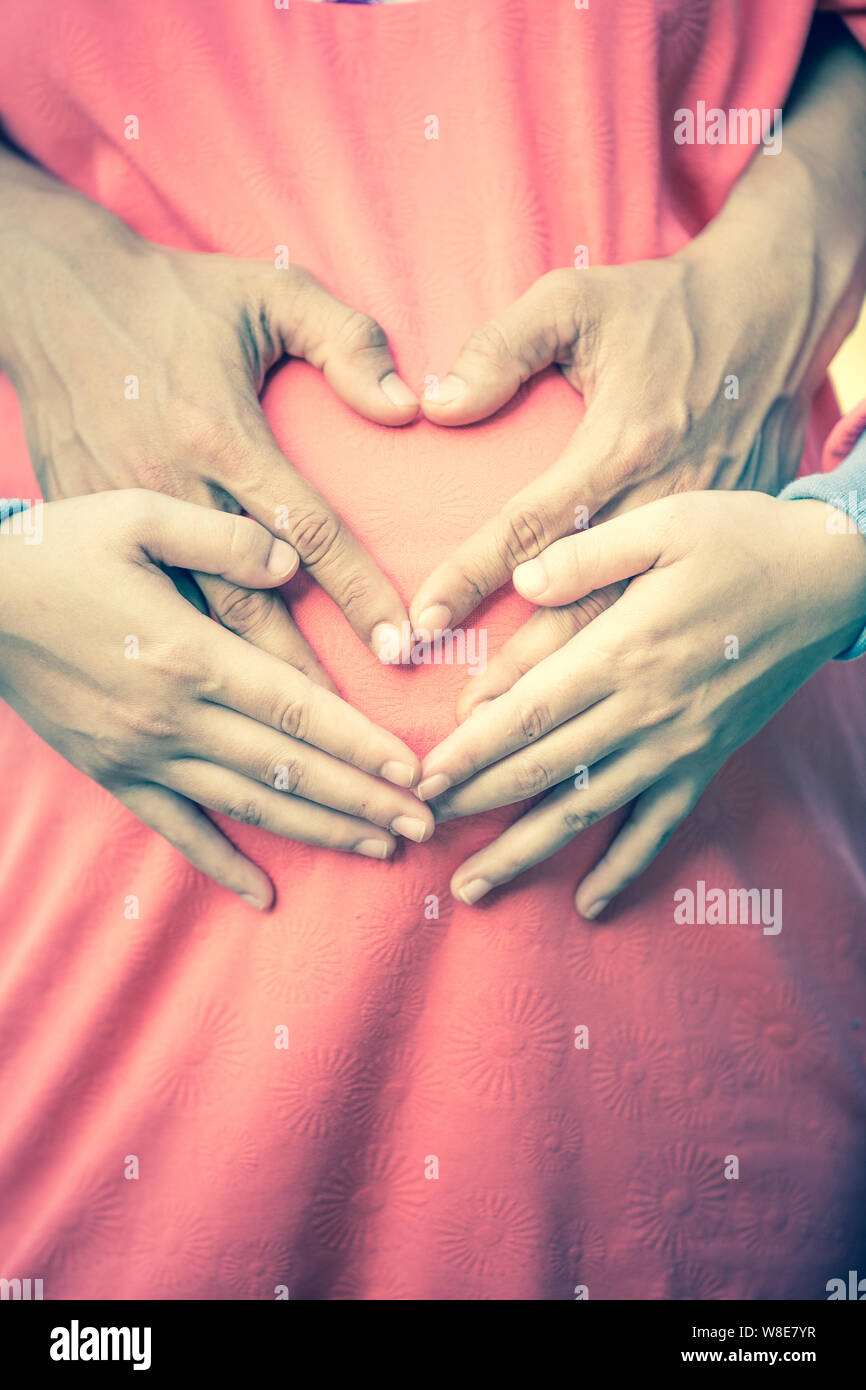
{"type": "Point", "coordinates": [190, 537]}
{"type": "Point", "coordinates": [535, 331]}
{"type": "Point", "coordinates": [578, 565]}
{"type": "Point", "coordinates": [347, 346]}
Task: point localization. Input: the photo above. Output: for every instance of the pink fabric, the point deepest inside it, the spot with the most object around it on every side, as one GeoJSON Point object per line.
{"type": "Point", "coordinates": [414, 1038]}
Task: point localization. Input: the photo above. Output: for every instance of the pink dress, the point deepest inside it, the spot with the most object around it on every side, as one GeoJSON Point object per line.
{"type": "Point", "coordinates": [435, 1128]}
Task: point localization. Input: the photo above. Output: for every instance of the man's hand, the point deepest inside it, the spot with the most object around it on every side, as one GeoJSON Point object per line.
{"type": "Point", "coordinates": [140, 366]}
{"type": "Point", "coordinates": [640, 343]}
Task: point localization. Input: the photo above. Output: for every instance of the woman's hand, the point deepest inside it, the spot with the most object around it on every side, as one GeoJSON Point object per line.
{"type": "Point", "coordinates": [102, 657]}
{"type": "Point", "coordinates": [140, 366]}
{"type": "Point", "coordinates": [739, 599]}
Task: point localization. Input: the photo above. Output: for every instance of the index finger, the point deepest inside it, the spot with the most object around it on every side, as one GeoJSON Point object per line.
{"type": "Point", "coordinates": [559, 687]}
{"type": "Point", "coordinates": [270, 489]}
{"type": "Point", "coordinates": [561, 501]}
{"type": "Point", "coordinates": [253, 682]}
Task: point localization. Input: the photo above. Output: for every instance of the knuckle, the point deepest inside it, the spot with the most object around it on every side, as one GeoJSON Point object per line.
{"type": "Point", "coordinates": [696, 738]}
{"type": "Point", "coordinates": [354, 594]}
{"type": "Point", "coordinates": [591, 606]}
{"type": "Point", "coordinates": [292, 718]}
{"type": "Point", "coordinates": [361, 333]}
{"type": "Point", "coordinates": [525, 533]}
{"type": "Point", "coordinates": [573, 821]}
{"type": "Point", "coordinates": [682, 512]}
{"type": "Point", "coordinates": [141, 513]}
{"type": "Point", "coordinates": [314, 531]}
{"type": "Point", "coordinates": [560, 281]}
{"type": "Point", "coordinates": [109, 757]}
{"type": "Point", "coordinates": [624, 462]}
{"type": "Point", "coordinates": [477, 579]}
{"type": "Point", "coordinates": [657, 708]}
{"type": "Point", "coordinates": [684, 802]}
{"type": "Point", "coordinates": [242, 610]}
{"type": "Point", "coordinates": [144, 503]}
{"type": "Point", "coordinates": [533, 722]}
{"type": "Point", "coordinates": [155, 473]}
{"type": "Point", "coordinates": [204, 432]}
{"type": "Point", "coordinates": [617, 651]}
{"type": "Point", "coordinates": [490, 343]}
{"type": "Point", "coordinates": [149, 724]}
{"type": "Point", "coordinates": [561, 295]}
{"type": "Point", "coordinates": [531, 778]}
{"type": "Point", "coordinates": [285, 775]}
{"type": "Point", "coordinates": [167, 664]}
{"type": "Point", "coordinates": [246, 811]}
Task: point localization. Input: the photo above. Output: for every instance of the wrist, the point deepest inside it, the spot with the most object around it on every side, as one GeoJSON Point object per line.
{"type": "Point", "coordinates": [792, 233]}
{"type": "Point", "coordinates": [10, 567]}
{"type": "Point", "coordinates": [832, 566]}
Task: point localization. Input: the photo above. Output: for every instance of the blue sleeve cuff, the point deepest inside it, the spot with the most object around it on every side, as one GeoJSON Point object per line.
{"type": "Point", "coordinates": [845, 489]}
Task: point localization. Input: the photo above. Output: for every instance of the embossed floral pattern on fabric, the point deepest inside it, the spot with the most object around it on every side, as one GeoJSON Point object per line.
{"type": "Point", "coordinates": [375, 1092]}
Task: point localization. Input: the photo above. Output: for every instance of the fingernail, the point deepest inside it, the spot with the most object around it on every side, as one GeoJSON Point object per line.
{"type": "Point", "coordinates": [282, 560]}
{"type": "Point", "coordinates": [388, 643]}
{"type": "Point", "coordinates": [397, 391]}
{"type": "Point", "coordinates": [254, 901]}
{"type": "Point", "coordinates": [595, 908]}
{"type": "Point", "coordinates": [450, 390]}
{"type": "Point", "coordinates": [436, 616]}
{"type": "Point", "coordinates": [374, 849]}
{"type": "Point", "coordinates": [401, 774]}
{"type": "Point", "coordinates": [433, 786]}
{"type": "Point", "coordinates": [473, 890]}
{"type": "Point", "coordinates": [530, 579]}
{"type": "Point", "coordinates": [410, 827]}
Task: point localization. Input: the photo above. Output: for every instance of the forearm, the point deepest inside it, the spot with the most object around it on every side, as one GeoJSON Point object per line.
{"type": "Point", "coordinates": [793, 230]}
{"type": "Point", "coordinates": [36, 204]}
{"type": "Point", "coordinates": [41, 219]}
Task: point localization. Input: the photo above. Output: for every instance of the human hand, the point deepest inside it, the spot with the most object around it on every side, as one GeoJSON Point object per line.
{"type": "Point", "coordinates": [696, 372]}
{"type": "Point", "coordinates": [166, 395]}
{"type": "Point", "coordinates": [103, 658]}
{"type": "Point", "coordinates": [738, 599]}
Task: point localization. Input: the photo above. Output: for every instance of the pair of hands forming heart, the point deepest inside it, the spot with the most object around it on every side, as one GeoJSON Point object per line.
{"type": "Point", "coordinates": [209, 724]}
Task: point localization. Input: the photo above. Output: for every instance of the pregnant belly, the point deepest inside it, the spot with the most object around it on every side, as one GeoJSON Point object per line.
{"type": "Point", "coordinates": [412, 495]}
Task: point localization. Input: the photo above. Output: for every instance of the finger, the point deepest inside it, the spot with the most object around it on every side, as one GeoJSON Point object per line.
{"type": "Point", "coordinates": [532, 520]}
{"type": "Point", "coordinates": [577, 565]}
{"type": "Point", "coordinates": [347, 346]}
{"type": "Point", "coordinates": [557, 689]}
{"type": "Point", "coordinates": [261, 617]}
{"type": "Point", "coordinates": [254, 683]}
{"type": "Point", "coordinates": [540, 636]}
{"type": "Point", "coordinates": [187, 536]}
{"type": "Point", "coordinates": [589, 473]}
{"type": "Point", "coordinates": [243, 800]}
{"type": "Point", "coordinates": [549, 826]}
{"type": "Point", "coordinates": [198, 840]}
{"type": "Point", "coordinates": [566, 754]}
{"type": "Point", "coordinates": [654, 818]}
{"type": "Point", "coordinates": [259, 476]}
{"type": "Point", "coordinates": [296, 769]}
{"type": "Point", "coordinates": [539, 328]}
